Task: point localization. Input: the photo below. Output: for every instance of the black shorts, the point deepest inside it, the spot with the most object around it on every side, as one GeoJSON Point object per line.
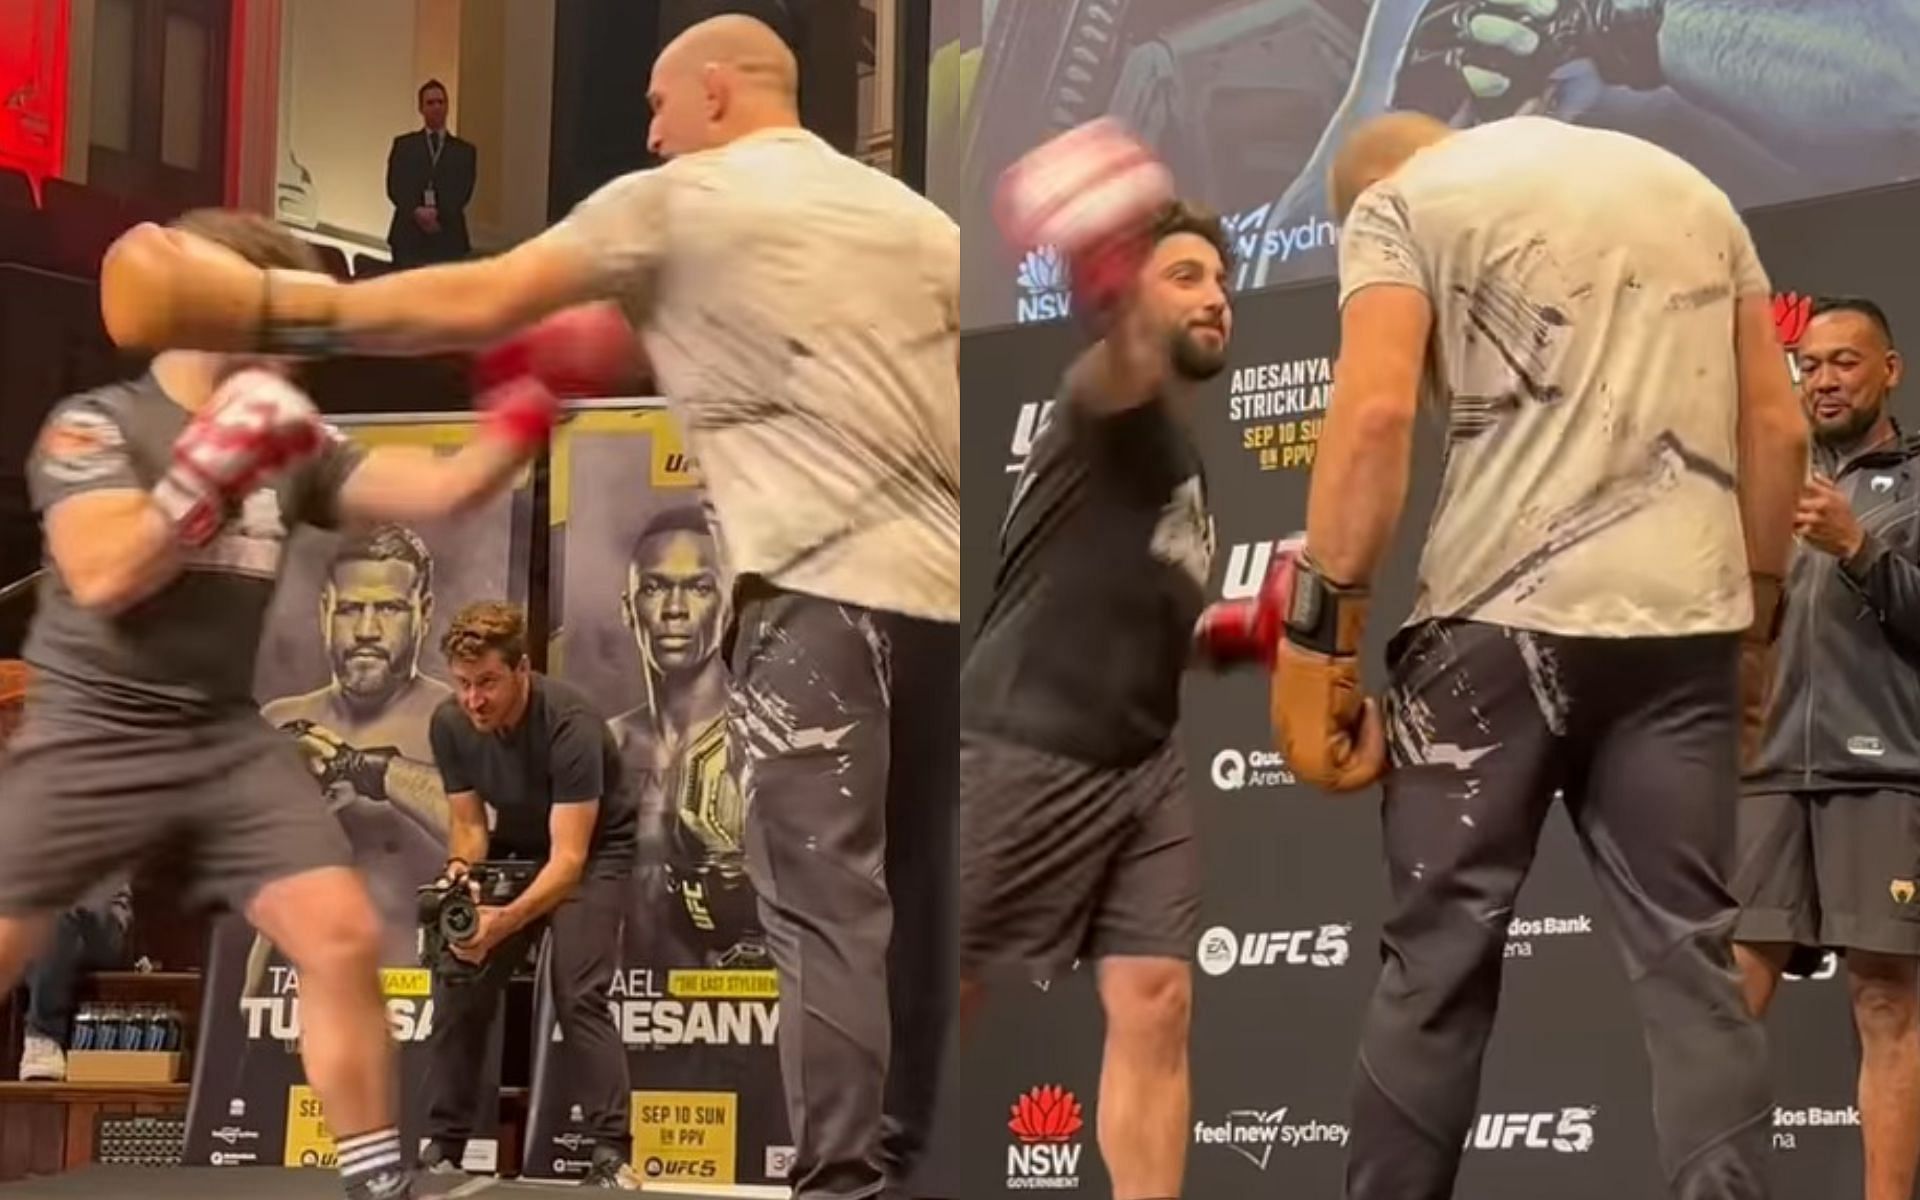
{"type": "Point", "coordinates": [1831, 870]}
{"type": "Point", "coordinates": [225, 807]}
{"type": "Point", "coordinates": [1062, 860]}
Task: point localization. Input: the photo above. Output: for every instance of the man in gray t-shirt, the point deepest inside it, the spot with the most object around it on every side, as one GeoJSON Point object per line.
{"type": "Point", "coordinates": [167, 503]}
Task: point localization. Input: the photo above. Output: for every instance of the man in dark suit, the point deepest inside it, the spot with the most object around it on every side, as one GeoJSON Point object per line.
{"type": "Point", "coordinates": [430, 176]}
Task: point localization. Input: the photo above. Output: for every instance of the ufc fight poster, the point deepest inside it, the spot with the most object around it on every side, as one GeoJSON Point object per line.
{"type": "Point", "coordinates": [639, 602]}
{"type": "Point", "coordinates": [1248, 100]}
{"type": "Point", "coordinates": [350, 661]}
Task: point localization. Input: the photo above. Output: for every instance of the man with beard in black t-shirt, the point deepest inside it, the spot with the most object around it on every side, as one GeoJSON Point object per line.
{"type": "Point", "coordinates": [1076, 834]}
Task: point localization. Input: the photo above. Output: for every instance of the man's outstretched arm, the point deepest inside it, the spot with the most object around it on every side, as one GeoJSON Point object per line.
{"type": "Point", "coordinates": [164, 289]}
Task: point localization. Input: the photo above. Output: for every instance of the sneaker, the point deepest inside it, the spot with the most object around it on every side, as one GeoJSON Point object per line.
{"type": "Point", "coordinates": [438, 1161]}
{"type": "Point", "coordinates": [611, 1173]}
{"type": "Point", "coordinates": [43, 1059]}
{"type": "Point", "coordinates": [387, 1185]}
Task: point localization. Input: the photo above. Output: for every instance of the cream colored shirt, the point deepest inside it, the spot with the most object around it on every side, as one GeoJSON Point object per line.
{"type": "Point", "coordinates": [1583, 285]}
{"type": "Point", "coordinates": [801, 313]}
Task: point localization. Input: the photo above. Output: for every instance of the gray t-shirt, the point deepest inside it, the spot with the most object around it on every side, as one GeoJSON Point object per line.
{"type": "Point", "coordinates": [802, 314]}
{"type": "Point", "coordinates": [186, 653]}
{"type": "Point", "coordinates": [1583, 285]}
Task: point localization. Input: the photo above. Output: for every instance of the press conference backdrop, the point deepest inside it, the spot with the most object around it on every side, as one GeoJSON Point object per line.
{"type": "Point", "coordinates": [1246, 100]}
{"type": "Point", "coordinates": [1294, 884]}
{"type": "Point", "coordinates": [352, 646]}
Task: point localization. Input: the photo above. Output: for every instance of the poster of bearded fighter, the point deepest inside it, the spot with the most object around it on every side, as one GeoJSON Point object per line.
{"type": "Point", "coordinates": [350, 670]}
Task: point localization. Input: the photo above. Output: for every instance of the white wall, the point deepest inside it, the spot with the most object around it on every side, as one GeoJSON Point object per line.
{"type": "Point", "coordinates": [527, 120]}
{"type": "Point", "coordinates": [347, 87]}
{"type": "Point", "coordinates": [350, 71]}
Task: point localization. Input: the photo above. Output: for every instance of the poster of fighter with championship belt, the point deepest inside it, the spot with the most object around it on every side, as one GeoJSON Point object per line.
{"type": "Point", "coordinates": [349, 667]}
{"type": "Point", "coordinates": [639, 602]}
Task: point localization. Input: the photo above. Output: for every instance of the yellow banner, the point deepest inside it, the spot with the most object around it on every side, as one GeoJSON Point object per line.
{"type": "Point", "coordinates": [668, 466]}
{"type": "Point", "coordinates": [686, 1136]}
{"type": "Point", "coordinates": [724, 985]}
{"type": "Point", "coordinates": [442, 437]}
{"type": "Point", "coordinates": [406, 981]}
{"type": "Point", "coordinates": [308, 1143]}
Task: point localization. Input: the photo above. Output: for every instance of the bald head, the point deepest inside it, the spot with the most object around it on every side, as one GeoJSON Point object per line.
{"type": "Point", "coordinates": [741, 46]}
{"type": "Point", "coordinates": [1376, 149]}
{"type": "Point", "coordinates": [722, 79]}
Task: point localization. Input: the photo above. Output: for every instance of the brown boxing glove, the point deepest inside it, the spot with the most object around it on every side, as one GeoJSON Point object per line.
{"type": "Point", "coordinates": [1757, 653]}
{"type": "Point", "coordinates": [1329, 731]}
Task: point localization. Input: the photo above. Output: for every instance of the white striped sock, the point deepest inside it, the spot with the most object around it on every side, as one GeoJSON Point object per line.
{"type": "Point", "coordinates": [368, 1154]}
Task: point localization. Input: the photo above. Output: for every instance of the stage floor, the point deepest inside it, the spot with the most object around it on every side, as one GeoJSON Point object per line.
{"type": "Point", "coordinates": [266, 1183]}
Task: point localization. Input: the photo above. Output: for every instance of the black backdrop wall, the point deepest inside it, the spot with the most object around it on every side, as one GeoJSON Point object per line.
{"type": "Point", "coordinates": [1293, 878]}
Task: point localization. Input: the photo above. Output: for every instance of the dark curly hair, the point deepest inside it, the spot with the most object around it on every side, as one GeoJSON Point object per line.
{"type": "Point", "coordinates": [1187, 216]}
{"type": "Point", "coordinates": [486, 625]}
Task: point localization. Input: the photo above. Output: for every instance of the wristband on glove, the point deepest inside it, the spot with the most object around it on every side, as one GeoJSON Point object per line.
{"type": "Point", "coordinates": [282, 334]}
{"type": "Point", "coordinates": [366, 770]}
{"type": "Point", "coordinates": [1623, 39]}
{"type": "Point", "coordinates": [1323, 617]}
{"type": "Point", "coordinates": [191, 506]}
{"type": "Point", "coordinates": [522, 413]}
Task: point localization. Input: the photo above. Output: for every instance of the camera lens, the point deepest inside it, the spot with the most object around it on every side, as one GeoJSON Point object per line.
{"type": "Point", "coordinates": [459, 919]}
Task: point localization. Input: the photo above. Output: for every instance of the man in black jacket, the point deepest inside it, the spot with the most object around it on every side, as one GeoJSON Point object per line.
{"type": "Point", "coordinates": [1830, 825]}
{"type": "Point", "coordinates": [430, 176]}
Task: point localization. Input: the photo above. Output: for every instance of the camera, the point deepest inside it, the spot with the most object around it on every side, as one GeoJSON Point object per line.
{"type": "Point", "coordinates": [449, 912]}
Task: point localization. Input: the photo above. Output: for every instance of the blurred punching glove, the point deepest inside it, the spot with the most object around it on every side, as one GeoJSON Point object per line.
{"type": "Point", "coordinates": [1330, 734]}
{"type": "Point", "coordinates": [255, 426]}
{"type": "Point", "coordinates": [1757, 655]}
{"type": "Point", "coordinates": [589, 351]}
{"type": "Point", "coordinates": [1091, 193]}
{"type": "Point", "coordinates": [1236, 632]}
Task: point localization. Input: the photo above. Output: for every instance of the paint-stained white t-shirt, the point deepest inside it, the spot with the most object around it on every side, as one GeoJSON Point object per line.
{"type": "Point", "coordinates": [800, 310]}
{"type": "Point", "coordinates": [1583, 285]}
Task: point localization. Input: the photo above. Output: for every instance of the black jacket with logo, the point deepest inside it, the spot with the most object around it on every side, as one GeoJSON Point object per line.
{"type": "Point", "coordinates": [1846, 708]}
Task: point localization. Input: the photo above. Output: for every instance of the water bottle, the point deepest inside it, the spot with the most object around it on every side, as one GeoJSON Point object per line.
{"type": "Point", "coordinates": [129, 1028]}
{"type": "Point", "coordinates": [151, 1034]}
{"type": "Point", "coordinates": [169, 1034]}
{"type": "Point", "coordinates": [84, 1028]}
{"type": "Point", "coordinates": [106, 1027]}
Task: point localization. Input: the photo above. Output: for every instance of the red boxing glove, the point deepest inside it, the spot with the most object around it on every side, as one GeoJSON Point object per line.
{"type": "Point", "coordinates": [1091, 192]}
{"type": "Point", "coordinates": [585, 352]}
{"type": "Point", "coordinates": [1234, 632]}
{"type": "Point", "coordinates": [254, 426]}
{"type": "Point", "coordinates": [522, 412]}
{"type": "Point", "coordinates": [589, 351]}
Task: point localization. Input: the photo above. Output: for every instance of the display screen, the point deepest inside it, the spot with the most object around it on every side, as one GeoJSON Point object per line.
{"type": "Point", "coordinates": [1247, 101]}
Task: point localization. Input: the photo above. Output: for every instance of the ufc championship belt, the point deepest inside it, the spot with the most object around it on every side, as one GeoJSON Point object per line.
{"type": "Point", "coordinates": [707, 859]}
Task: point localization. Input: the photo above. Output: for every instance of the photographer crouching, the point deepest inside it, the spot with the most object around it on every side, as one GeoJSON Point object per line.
{"type": "Point", "coordinates": [558, 859]}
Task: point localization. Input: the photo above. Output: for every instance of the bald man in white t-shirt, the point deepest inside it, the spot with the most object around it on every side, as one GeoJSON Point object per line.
{"type": "Point", "coordinates": [1598, 592]}
{"type": "Point", "coordinates": [800, 310]}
